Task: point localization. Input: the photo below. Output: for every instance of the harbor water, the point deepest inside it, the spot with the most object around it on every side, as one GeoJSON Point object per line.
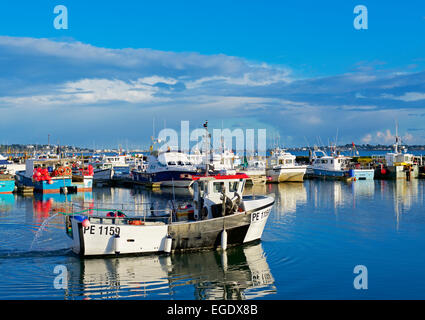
{"type": "Point", "coordinates": [316, 235]}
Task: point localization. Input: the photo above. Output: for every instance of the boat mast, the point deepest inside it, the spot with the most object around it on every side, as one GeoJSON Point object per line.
{"type": "Point", "coordinates": [396, 138]}
{"type": "Point", "coordinates": [207, 136]}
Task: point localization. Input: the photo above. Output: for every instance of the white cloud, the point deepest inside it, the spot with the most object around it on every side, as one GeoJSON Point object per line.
{"type": "Point", "coordinates": [367, 138]}
{"type": "Point", "coordinates": [131, 83]}
{"type": "Point", "coordinates": [407, 97]}
{"type": "Point", "coordinates": [385, 137]}
{"type": "Point", "coordinates": [90, 91]}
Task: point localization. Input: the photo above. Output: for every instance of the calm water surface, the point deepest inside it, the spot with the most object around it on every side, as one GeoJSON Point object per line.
{"type": "Point", "coordinates": [317, 233]}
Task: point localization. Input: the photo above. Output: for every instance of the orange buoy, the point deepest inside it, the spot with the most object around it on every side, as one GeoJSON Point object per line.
{"type": "Point", "coordinates": [135, 222]}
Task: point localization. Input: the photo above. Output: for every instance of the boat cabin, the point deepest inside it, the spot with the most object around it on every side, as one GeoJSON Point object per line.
{"type": "Point", "coordinates": [218, 194]}
{"type": "Point", "coordinates": [170, 160]}
{"type": "Point", "coordinates": [331, 163]}
{"type": "Point", "coordinates": [281, 158]}
{"type": "Point", "coordinates": [397, 159]}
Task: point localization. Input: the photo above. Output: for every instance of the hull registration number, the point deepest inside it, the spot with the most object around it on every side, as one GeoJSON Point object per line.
{"type": "Point", "coordinates": [102, 230]}
{"type": "Point", "coordinates": [260, 215]}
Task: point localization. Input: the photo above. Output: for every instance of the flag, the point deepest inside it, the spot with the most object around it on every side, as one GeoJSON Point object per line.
{"type": "Point", "coordinates": [206, 124]}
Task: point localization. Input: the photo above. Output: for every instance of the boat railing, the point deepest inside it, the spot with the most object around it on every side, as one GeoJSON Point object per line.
{"type": "Point", "coordinates": [100, 216]}
{"type": "Point", "coordinates": [122, 213]}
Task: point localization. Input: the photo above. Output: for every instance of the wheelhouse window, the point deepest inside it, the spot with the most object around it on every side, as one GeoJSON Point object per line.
{"type": "Point", "coordinates": [234, 186]}
{"type": "Point", "coordinates": [218, 187]}
{"type": "Point", "coordinates": [288, 161]}
{"type": "Point", "coordinates": [171, 163]}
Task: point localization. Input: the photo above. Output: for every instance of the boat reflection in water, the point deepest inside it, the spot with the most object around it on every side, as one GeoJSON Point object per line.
{"type": "Point", "coordinates": [406, 195]}
{"type": "Point", "coordinates": [46, 204]}
{"type": "Point", "coordinates": [7, 201]}
{"type": "Point", "coordinates": [288, 196]}
{"type": "Point", "coordinates": [239, 273]}
{"type": "Point", "coordinates": [363, 188]}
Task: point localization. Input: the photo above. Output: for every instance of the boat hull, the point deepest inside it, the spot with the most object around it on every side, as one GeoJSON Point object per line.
{"type": "Point", "coordinates": [58, 183]}
{"type": "Point", "coordinates": [330, 174]}
{"type": "Point", "coordinates": [286, 174]}
{"type": "Point", "coordinates": [7, 186]}
{"type": "Point", "coordinates": [178, 179]}
{"type": "Point", "coordinates": [362, 174]}
{"type": "Point", "coordinates": [103, 175]}
{"type": "Point", "coordinates": [397, 172]}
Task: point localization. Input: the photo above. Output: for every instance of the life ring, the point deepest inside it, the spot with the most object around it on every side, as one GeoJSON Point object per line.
{"type": "Point", "coordinates": [68, 171]}
{"type": "Point", "coordinates": [61, 171]}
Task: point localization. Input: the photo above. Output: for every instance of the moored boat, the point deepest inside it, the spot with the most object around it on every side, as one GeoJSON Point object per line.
{"type": "Point", "coordinates": [166, 168]}
{"type": "Point", "coordinates": [282, 167]}
{"type": "Point", "coordinates": [335, 166]}
{"type": "Point", "coordinates": [46, 175]}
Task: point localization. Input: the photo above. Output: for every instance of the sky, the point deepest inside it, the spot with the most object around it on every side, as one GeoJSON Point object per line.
{"type": "Point", "coordinates": [123, 70]}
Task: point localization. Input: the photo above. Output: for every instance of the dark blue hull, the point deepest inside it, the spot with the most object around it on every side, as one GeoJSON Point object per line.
{"type": "Point", "coordinates": [165, 178]}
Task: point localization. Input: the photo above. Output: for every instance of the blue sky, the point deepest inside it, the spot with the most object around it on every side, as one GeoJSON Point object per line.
{"type": "Point", "coordinates": [297, 68]}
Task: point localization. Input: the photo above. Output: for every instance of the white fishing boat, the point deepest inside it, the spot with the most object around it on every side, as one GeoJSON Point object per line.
{"type": "Point", "coordinates": [221, 217]}
{"type": "Point", "coordinates": [10, 166]}
{"type": "Point", "coordinates": [256, 171]}
{"type": "Point", "coordinates": [102, 172]}
{"type": "Point", "coordinates": [282, 167]}
{"type": "Point", "coordinates": [106, 167]}
{"type": "Point", "coordinates": [221, 161]}
{"type": "Point", "coordinates": [398, 164]}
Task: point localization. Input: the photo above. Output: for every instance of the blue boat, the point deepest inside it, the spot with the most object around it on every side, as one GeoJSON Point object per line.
{"type": "Point", "coordinates": [56, 177]}
{"type": "Point", "coordinates": [7, 184]}
{"type": "Point", "coordinates": [169, 168]}
{"type": "Point", "coordinates": [331, 167]}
